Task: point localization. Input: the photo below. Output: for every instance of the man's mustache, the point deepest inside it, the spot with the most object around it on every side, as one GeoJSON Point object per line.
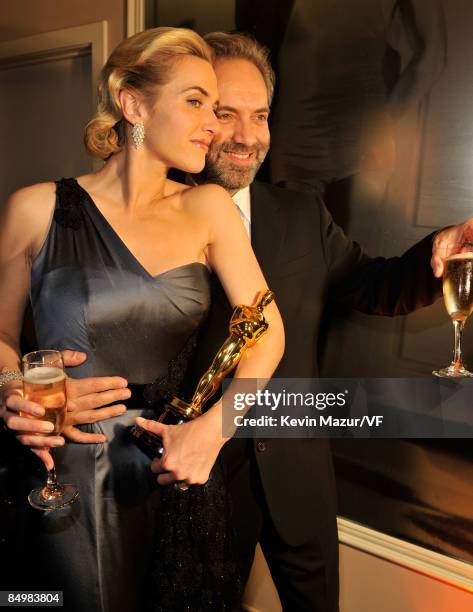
{"type": "Point", "coordinates": [231, 147]}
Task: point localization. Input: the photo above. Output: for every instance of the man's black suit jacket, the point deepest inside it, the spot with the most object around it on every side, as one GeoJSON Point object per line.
{"type": "Point", "coordinates": [309, 263]}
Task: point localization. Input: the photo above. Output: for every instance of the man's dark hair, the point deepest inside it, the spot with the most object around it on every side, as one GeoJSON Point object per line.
{"type": "Point", "coordinates": [243, 46]}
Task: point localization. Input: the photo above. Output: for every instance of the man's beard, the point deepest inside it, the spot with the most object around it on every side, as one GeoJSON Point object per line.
{"type": "Point", "coordinates": [221, 170]}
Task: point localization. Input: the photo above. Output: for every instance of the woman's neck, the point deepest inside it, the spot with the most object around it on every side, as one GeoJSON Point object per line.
{"type": "Point", "coordinates": [135, 180]}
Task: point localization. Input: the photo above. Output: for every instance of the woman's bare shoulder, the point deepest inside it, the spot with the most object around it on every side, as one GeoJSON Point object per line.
{"type": "Point", "coordinates": [209, 198]}
{"type": "Point", "coordinates": [39, 196]}
{"type": "Point", "coordinates": [27, 212]}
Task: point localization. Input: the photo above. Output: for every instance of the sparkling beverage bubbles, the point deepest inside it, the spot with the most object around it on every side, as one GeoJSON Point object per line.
{"type": "Point", "coordinates": [46, 385]}
{"type": "Point", "coordinates": [458, 286]}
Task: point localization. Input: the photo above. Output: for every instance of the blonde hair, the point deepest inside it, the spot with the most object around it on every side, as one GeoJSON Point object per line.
{"type": "Point", "coordinates": [243, 46]}
{"type": "Point", "coordinates": [140, 63]}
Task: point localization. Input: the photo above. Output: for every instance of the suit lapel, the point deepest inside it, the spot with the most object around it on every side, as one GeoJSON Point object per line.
{"type": "Point", "coordinates": [267, 228]}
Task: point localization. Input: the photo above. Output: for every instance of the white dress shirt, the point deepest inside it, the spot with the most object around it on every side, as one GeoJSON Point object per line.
{"type": "Point", "coordinates": [243, 202]}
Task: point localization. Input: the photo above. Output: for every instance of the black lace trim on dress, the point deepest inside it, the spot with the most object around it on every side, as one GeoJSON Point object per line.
{"type": "Point", "coordinates": [69, 202]}
{"type": "Point", "coordinates": [164, 388]}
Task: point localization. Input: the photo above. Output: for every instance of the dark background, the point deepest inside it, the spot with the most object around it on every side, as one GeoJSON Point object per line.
{"type": "Point", "coordinates": [374, 109]}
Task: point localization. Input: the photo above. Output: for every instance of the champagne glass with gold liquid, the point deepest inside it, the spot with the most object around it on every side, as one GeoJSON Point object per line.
{"type": "Point", "coordinates": [44, 382]}
{"type": "Point", "coordinates": [458, 297]}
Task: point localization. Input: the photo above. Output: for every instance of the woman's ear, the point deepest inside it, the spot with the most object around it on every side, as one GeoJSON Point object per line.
{"type": "Point", "coordinates": [132, 105]}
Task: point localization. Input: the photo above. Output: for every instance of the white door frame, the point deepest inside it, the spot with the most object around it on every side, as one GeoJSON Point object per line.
{"type": "Point", "coordinates": [135, 17]}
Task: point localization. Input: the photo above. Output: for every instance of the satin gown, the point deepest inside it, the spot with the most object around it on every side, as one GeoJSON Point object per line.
{"type": "Point", "coordinates": [90, 293]}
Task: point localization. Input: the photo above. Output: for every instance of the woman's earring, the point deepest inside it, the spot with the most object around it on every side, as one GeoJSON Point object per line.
{"type": "Point", "coordinates": [138, 134]}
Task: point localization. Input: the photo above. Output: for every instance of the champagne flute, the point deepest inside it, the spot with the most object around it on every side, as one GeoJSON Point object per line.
{"type": "Point", "coordinates": [44, 382]}
{"type": "Point", "coordinates": [458, 298]}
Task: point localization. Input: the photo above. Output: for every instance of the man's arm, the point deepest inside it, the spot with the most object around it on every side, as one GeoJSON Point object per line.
{"type": "Point", "coordinates": [387, 286]}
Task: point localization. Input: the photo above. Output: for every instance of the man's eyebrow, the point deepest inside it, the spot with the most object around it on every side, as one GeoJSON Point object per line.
{"type": "Point", "coordinates": [225, 107]}
{"type": "Point", "coordinates": [203, 91]}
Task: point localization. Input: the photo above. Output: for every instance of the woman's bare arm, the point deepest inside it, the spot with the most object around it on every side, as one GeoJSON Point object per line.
{"type": "Point", "coordinates": [191, 449]}
{"type": "Point", "coordinates": [230, 255]}
{"type": "Point", "coordinates": [24, 222]}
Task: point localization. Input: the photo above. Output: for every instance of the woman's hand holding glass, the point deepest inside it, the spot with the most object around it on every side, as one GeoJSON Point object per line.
{"type": "Point", "coordinates": [25, 419]}
{"type": "Point", "coordinates": [86, 398]}
{"type": "Point", "coordinates": [44, 384]}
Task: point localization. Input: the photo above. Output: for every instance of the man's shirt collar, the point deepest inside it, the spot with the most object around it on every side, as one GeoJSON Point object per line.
{"type": "Point", "coordinates": [242, 200]}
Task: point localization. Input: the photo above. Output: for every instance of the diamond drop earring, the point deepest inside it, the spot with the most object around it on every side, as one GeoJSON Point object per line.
{"type": "Point", "coordinates": [138, 135]}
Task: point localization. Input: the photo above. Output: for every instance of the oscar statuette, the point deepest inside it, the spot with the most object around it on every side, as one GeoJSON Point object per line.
{"type": "Point", "coordinates": [247, 326]}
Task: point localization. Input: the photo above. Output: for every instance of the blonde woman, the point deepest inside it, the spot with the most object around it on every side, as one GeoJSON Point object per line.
{"type": "Point", "coordinates": [117, 264]}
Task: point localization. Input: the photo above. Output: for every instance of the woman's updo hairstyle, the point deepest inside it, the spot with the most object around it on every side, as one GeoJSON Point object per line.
{"type": "Point", "coordinates": [140, 63]}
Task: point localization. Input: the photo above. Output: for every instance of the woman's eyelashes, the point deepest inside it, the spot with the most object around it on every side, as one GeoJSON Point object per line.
{"type": "Point", "coordinates": [195, 102]}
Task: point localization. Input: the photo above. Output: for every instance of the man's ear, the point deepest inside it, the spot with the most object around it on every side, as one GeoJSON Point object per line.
{"type": "Point", "coordinates": [132, 105]}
